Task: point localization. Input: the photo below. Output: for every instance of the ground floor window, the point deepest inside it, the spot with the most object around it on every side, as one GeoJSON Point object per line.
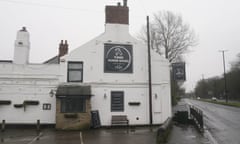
{"type": "Point", "coordinates": [73, 105]}
{"type": "Point", "coordinates": [117, 101]}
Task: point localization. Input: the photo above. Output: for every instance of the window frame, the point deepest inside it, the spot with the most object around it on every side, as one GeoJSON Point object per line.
{"type": "Point", "coordinates": [123, 104]}
{"type": "Point", "coordinates": [71, 69]}
{"type": "Point", "coordinates": [46, 106]}
{"type": "Point", "coordinates": [73, 99]}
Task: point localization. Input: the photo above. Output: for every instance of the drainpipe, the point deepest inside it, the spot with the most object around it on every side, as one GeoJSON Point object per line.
{"type": "Point", "coordinates": [149, 72]}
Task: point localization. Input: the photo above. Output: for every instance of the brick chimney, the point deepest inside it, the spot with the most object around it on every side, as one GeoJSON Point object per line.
{"type": "Point", "coordinates": [117, 14]}
{"type": "Point", "coordinates": [63, 48]}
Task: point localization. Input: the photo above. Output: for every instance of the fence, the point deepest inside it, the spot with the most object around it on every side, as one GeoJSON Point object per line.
{"type": "Point", "coordinates": [197, 115]}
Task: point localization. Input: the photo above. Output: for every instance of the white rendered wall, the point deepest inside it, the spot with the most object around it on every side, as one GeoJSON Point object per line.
{"type": "Point", "coordinates": [134, 85]}
{"type": "Point", "coordinates": [132, 93]}
{"type": "Point", "coordinates": [22, 48]}
{"type": "Point", "coordinates": [28, 82]}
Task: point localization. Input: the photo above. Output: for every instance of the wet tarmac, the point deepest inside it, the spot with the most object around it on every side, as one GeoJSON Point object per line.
{"type": "Point", "coordinates": [141, 135]}
{"type": "Point", "coordinates": [187, 134]}
{"type": "Point", "coordinates": [223, 122]}
{"type": "Point", "coordinates": [181, 134]}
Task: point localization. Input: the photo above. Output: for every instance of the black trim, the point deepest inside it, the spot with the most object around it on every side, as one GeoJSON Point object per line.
{"type": "Point", "coordinates": [18, 105]}
{"type": "Point", "coordinates": [134, 103]}
{"type": "Point", "coordinates": [6, 61]}
{"type": "Point", "coordinates": [30, 102]}
{"type": "Point", "coordinates": [74, 96]}
{"type": "Point", "coordinates": [5, 102]}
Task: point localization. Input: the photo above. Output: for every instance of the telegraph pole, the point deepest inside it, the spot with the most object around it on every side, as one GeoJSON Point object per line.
{"type": "Point", "coordinates": [224, 74]}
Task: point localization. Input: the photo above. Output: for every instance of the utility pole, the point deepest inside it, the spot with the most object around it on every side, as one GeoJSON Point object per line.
{"type": "Point", "coordinates": [224, 74]}
{"type": "Point", "coordinates": [149, 72]}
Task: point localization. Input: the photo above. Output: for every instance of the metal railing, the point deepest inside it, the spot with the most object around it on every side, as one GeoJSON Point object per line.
{"type": "Point", "coordinates": [197, 115]}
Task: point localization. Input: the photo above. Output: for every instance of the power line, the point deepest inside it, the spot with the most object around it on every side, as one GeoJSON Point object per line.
{"type": "Point", "coordinates": [48, 5]}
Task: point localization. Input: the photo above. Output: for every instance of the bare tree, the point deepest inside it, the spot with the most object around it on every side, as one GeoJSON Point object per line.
{"type": "Point", "coordinates": [236, 64]}
{"type": "Point", "coordinates": [169, 35]}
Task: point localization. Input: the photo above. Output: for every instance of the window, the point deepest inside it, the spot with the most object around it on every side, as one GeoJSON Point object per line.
{"type": "Point", "coordinates": [117, 101]}
{"type": "Point", "coordinates": [75, 71]}
{"type": "Point", "coordinates": [73, 105]}
{"type": "Point", "coordinates": [46, 106]}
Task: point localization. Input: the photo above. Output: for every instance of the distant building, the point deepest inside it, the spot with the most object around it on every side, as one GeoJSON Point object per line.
{"type": "Point", "coordinates": [107, 75]}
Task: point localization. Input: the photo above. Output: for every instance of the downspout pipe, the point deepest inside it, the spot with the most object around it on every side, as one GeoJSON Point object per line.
{"type": "Point", "coordinates": [149, 73]}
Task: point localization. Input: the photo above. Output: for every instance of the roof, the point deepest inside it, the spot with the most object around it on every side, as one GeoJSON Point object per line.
{"type": "Point", "coordinates": [73, 90]}
{"type": "Point", "coordinates": [53, 60]}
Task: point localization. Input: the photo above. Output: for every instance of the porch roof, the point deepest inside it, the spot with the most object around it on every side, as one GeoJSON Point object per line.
{"type": "Point", "coordinates": [73, 90]}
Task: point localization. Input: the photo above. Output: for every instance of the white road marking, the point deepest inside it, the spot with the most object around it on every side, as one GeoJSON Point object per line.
{"type": "Point", "coordinates": [81, 138]}
{"type": "Point", "coordinates": [36, 138]}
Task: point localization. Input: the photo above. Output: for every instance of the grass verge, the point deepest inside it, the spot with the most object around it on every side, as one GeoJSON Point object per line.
{"type": "Point", "coordinates": [233, 104]}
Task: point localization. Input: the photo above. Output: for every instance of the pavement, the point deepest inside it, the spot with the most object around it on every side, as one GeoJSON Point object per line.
{"type": "Point", "coordinates": [181, 134]}
{"type": "Point", "coordinates": [185, 134]}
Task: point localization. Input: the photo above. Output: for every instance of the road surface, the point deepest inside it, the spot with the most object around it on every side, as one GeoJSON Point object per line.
{"type": "Point", "coordinates": [223, 122]}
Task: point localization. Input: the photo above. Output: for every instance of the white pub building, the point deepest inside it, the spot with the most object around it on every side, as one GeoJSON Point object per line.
{"type": "Point", "coordinates": [103, 82]}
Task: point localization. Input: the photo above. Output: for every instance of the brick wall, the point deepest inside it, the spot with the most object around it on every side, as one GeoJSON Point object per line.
{"type": "Point", "coordinates": [117, 14]}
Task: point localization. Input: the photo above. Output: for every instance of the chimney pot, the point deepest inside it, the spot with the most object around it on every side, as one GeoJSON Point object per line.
{"type": "Point", "coordinates": [23, 29]}
{"type": "Point", "coordinates": [118, 4]}
{"type": "Point", "coordinates": [125, 3]}
{"type": "Point", "coordinates": [63, 48]}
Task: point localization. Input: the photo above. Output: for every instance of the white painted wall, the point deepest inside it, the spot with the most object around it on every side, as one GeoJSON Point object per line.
{"type": "Point", "coordinates": [132, 93]}
{"type": "Point", "coordinates": [28, 82]}
{"type": "Point", "coordinates": [22, 48]}
{"type": "Point", "coordinates": [134, 85]}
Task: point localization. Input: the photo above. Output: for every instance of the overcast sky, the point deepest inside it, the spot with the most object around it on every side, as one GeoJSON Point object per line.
{"type": "Point", "coordinates": [216, 22]}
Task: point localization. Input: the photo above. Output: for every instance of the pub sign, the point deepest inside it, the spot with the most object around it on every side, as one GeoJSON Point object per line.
{"type": "Point", "coordinates": [118, 58]}
{"type": "Point", "coordinates": [179, 71]}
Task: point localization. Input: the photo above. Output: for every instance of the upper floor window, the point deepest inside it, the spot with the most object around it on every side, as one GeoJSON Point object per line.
{"type": "Point", "coordinates": [75, 71]}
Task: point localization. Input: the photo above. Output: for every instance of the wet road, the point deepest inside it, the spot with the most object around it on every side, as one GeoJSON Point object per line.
{"type": "Point", "coordinates": [223, 122]}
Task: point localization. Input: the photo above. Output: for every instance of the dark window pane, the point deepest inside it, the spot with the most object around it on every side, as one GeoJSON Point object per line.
{"type": "Point", "coordinates": [117, 101]}
{"type": "Point", "coordinates": [72, 105]}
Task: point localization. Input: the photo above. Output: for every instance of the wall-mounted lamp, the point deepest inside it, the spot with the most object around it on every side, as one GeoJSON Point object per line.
{"type": "Point", "coordinates": [105, 96]}
{"type": "Point", "coordinates": [155, 96]}
{"type": "Point", "coordinates": [52, 93]}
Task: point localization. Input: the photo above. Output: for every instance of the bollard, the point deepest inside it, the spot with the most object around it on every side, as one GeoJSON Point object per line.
{"type": "Point", "coordinates": [38, 129]}
{"type": "Point", "coordinates": [3, 126]}
{"type": "Point", "coordinates": [38, 125]}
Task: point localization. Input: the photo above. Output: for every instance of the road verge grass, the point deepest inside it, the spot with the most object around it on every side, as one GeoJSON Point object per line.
{"type": "Point", "coordinates": [233, 104]}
